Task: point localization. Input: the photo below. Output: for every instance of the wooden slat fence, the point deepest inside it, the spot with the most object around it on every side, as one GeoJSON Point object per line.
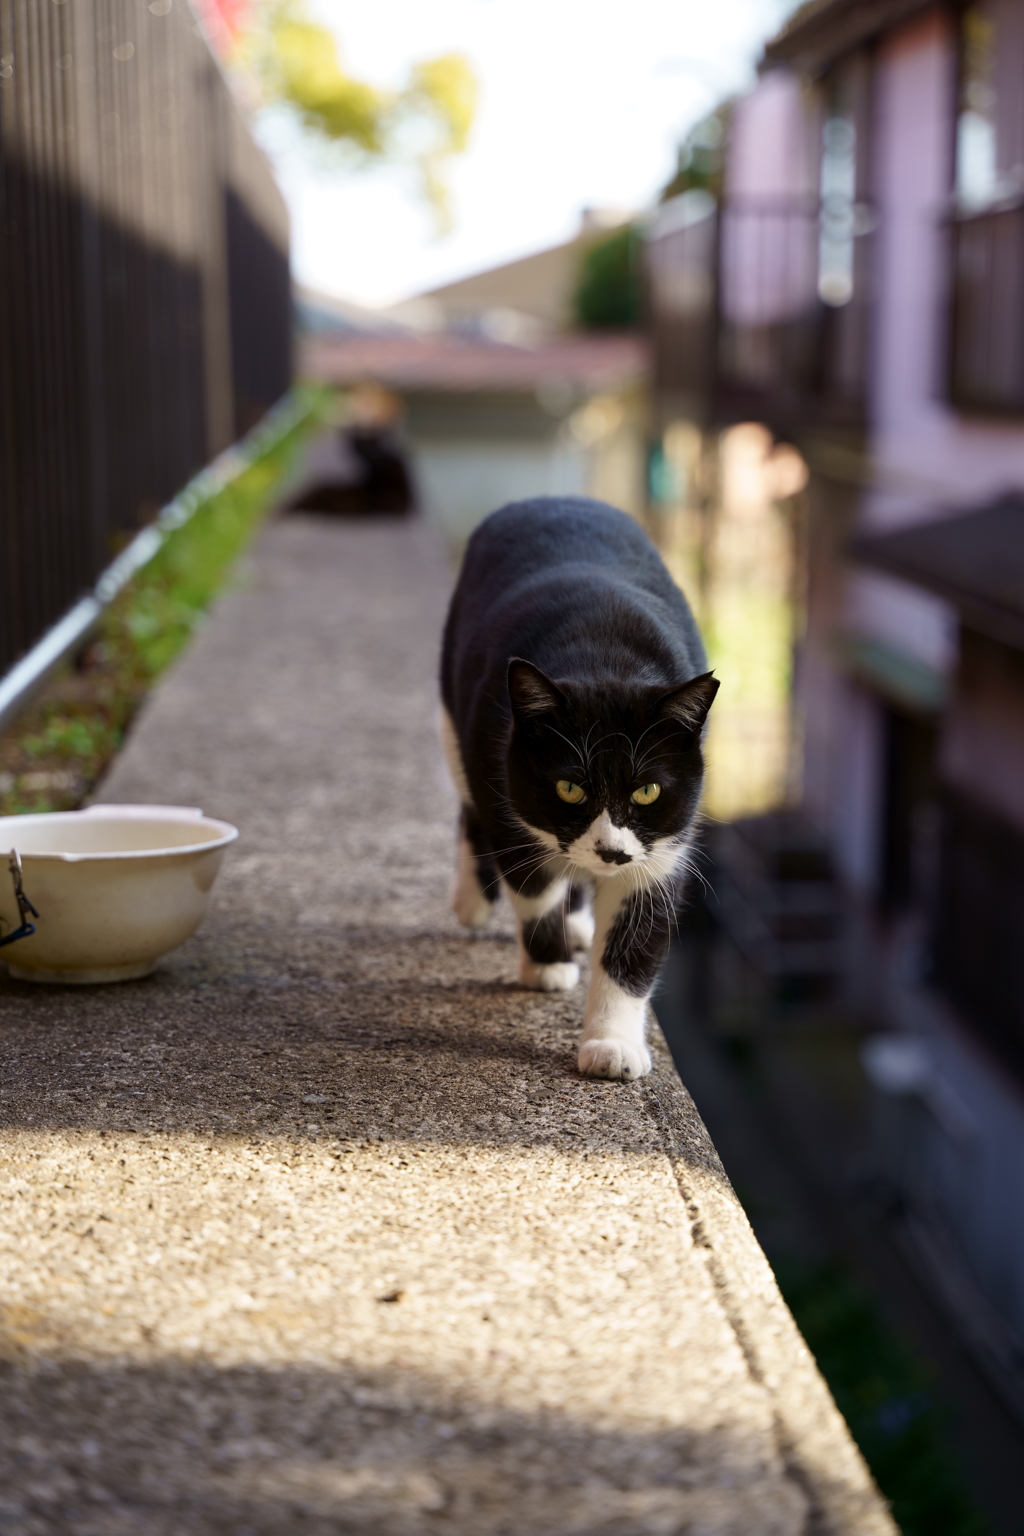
{"type": "Point", "coordinates": [144, 293]}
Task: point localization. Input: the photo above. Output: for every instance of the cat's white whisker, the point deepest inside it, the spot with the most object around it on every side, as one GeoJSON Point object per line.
{"type": "Point", "coordinates": [572, 747]}
{"type": "Point", "coordinates": [648, 762]}
{"type": "Point", "coordinates": [529, 864]}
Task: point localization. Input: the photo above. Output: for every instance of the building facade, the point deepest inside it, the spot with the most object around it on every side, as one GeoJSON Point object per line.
{"type": "Point", "coordinates": [857, 286]}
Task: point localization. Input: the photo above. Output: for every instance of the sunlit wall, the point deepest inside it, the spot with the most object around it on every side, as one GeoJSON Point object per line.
{"type": "Point", "coordinates": [726, 515]}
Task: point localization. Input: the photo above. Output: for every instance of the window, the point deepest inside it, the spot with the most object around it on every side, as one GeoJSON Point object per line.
{"type": "Point", "coordinates": [990, 128]}
{"type": "Point", "coordinates": [986, 355]}
{"type": "Point", "coordinates": [976, 175]}
{"type": "Point", "coordinates": [838, 213]}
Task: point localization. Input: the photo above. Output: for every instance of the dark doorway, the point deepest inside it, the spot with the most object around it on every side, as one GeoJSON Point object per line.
{"type": "Point", "coordinates": [911, 815]}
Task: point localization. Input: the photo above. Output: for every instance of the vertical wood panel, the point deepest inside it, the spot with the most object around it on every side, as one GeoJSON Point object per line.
{"type": "Point", "coordinates": [120, 374]}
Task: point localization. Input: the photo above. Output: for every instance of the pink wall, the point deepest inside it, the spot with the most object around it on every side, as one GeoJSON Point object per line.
{"type": "Point", "coordinates": [769, 273]}
{"type": "Point", "coordinates": [926, 455]}
{"type": "Point", "coordinates": [772, 145]}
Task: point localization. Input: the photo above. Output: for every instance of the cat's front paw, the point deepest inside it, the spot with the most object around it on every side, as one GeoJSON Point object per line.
{"type": "Point", "coordinates": [614, 1058]}
{"type": "Point", "coordinates": [561, 976]}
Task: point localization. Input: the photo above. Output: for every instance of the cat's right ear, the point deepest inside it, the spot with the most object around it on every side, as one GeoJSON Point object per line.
{"type": "Point", "coordinates": [688, 706]}
{"type": "Point", "coordinates": [530, 692]}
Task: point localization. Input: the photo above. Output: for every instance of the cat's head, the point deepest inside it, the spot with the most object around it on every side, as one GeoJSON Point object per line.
{"type": "Point", "coordinates": [608, 774]}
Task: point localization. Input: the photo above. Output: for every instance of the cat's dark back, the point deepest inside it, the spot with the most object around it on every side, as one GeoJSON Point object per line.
{"type": "Point", "coordinates": [574, 586]}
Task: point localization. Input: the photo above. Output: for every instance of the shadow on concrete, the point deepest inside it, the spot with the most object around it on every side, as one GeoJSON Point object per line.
{"type": "Point", "coordinates": [370, 1045]}
{"type": "Point", "coordinates": [114, 1449]}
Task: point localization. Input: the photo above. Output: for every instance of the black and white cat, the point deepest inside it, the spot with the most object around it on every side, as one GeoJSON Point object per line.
{"type": "Point", "coordinates": [575, 691]}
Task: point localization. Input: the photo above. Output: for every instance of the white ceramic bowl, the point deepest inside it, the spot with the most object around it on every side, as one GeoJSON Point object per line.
{"type": "Point", "coordinates": [116, 887]}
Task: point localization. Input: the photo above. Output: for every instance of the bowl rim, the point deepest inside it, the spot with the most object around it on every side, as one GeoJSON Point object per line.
{"type": "Point", "coordinates": [170, 814]}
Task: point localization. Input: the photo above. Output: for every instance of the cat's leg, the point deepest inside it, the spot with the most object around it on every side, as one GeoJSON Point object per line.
{"type": "Point", "coordinates": [477, 882]}
{"type": "Point", "coordinates": [580, 916]}
{"type": "Point", "coordinates": [545, 947]}
{"type": "Point", "coordinates": [630, 943]}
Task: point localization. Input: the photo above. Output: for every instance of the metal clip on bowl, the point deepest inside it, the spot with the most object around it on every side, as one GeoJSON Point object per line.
{"type": "Point", "coordinates": [24, 905]}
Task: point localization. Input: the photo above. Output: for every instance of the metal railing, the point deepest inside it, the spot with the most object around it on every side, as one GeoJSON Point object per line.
{"type": "Point", "coordinates": [763, 307]}
{"type": "Point", "coordinates": [19, 684]}
{"type": "Point", "coordinates": [681, 289]}
{"type": "Point", "coordinates": [768, 294]}
{"type": "Point", "coordinates": [143, 322]}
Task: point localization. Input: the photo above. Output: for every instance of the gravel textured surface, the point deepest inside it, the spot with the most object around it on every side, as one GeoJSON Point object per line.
{"type": "Point", "coordinates": [317, 1230]}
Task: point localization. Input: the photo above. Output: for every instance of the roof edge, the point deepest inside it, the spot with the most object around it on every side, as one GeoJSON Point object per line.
{"type": "Point", "coordinates": [820, 32]}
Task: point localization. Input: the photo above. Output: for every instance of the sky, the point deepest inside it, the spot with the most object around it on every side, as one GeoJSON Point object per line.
{"type": "Point", "coordinates": [582, 104]}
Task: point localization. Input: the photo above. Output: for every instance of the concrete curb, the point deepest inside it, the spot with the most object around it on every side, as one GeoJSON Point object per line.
{"type": "Point", "coordinates": [813, 1438]}
{"type": "Point", "coordinates": [318, 1229]}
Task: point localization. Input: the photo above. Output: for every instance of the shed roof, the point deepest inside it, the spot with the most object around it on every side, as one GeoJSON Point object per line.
{"type": "Point", "coordinates": [974, 560]}
{"type": "Point", "coordinates": [442, 361]}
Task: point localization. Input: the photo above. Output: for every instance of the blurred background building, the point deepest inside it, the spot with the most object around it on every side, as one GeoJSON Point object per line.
{"type": "Point", "coordinates": [841, 263]}
{"type": "Point", "coordinates": [500, 390]}
{"type": "Point", "coordinates": [802, 371]}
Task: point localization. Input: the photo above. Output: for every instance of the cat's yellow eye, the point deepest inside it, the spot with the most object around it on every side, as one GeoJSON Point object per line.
{"type": "Point", "coordinates": [571, 793]}
{"type": "Point", "coordinates": [646, 794]}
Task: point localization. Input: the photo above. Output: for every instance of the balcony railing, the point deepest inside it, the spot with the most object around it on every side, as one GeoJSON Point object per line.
{"type": "Point", "coordinates": [986, 353]}
{"type": "Point", "coordinates": [760, 305]}
{"type": "Point", "coordinates": [768, 294]}
{"type": "Point", "coordinates": [682, 278]}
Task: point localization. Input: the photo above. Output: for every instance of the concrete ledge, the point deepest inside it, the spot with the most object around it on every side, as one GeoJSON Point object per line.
{"type": "Point", "coordinates": [317, 1229]}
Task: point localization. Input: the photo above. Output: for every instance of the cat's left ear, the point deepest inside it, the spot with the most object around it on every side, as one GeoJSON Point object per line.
{"type": "Point", "coordinates": [688, 706]}
{"type": "Point", "coordinates": [531, 692]}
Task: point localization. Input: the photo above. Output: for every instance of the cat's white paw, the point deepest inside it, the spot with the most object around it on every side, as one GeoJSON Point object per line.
{"type": "Point", "coordinates": [580, 928]}
{"type": "Point", "coordinates": [561, 976]}
{"type": "Point", "coordinates": [614, 1058]}
{"type": "Point", "coordinates": [471, 906]}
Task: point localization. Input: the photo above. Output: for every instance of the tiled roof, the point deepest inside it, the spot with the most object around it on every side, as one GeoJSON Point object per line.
{"type": "Point", "coordinates": [821, 31]}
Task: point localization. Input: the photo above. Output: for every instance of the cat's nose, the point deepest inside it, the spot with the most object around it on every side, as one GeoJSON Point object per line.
{"type": "Point", "coordinates": [614, 856]}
